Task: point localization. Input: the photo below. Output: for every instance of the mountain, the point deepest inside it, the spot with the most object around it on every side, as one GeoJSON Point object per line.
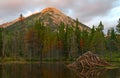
{"type": "Point", "coordinates": [50, 17]}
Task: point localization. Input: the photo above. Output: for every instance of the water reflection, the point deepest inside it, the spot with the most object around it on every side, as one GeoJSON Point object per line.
{"type": "Point", "coordinates": [36, 71]}
{"type": "Point", "coordinates": [56, 70]}
{"type": "Point", "coordinates": [90, 73]}
{"type": "Point", "coordinates": [97, 73]}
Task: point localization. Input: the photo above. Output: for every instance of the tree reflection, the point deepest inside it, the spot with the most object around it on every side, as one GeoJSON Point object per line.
{"type": "Point", "coordinates": [36, 71]}
{"type": "Point", "coordinates": [49, 70]}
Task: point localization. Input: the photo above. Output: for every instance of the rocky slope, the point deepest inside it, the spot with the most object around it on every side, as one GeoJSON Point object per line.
{"type": "Point", "coordinates": [50, 17]}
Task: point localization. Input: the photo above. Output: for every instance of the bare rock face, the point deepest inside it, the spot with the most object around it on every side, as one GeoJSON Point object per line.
{"type": "Point", "coordinates": [50, 16]}
{"type": "Point", "coordinates": [88, 60]}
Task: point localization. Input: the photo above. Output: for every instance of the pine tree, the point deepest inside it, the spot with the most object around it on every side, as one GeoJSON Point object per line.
{"type": "Point", "coordinates": [93, 30]}
{"type": "Point", "coordinates": [118, 33]}
{"type": "Point", "coordinates": [98, 41]}
{"type": "Point", "coordinates": [112, 41]}
{"type": "Point", "coordinates": [84, 42]}
{"type": "Point", "coordinates": [113, 34]}
{"type": "Point", "coordinates": [108, 33]}
{"type": "Point", "coordinates": [35, 40]}
{"type": "Point", "coordinates": [100, 26]}
{"type": "Point", "coordinates": [118, 26]}
{"type": "Point", "coordinates": [78, 38]}
{"type": "Point", "coordinates": [1, 42]}
{"type": "Point", "coordinates": [92, 33]}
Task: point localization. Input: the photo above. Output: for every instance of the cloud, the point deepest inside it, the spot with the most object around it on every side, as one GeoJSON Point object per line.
{"type": "Point", "coordinates": [1, 20]}
{"type": "Point", "coordinates": [87, 11]}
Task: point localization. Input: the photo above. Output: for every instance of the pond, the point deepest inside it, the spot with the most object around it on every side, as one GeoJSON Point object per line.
{"type": "Point", "coordinates": [53, 70]}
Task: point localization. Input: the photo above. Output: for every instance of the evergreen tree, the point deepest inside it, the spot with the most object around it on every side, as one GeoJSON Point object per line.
{"type": "Point", "coordinates": [98, 41]}
{"type": "Point", "coordinates": [93, 30]}
{"type": "Point", "coordinates": [112, 41]}
{"type": "Point", "coordinates": [108, 33]}
{"type": "Point", "coordinates": [78, 38]}
{"type": "Point", "coordinates": [118, 31]}
{"type": "Point", "coordinates": [84, 42]}
{"type": "Point", "coordinates": [35, 40]}
{"type": "Point", "coordinates": [113, 34]}
{"type": "Point", "coordinates": [1, 42]}
{"type": "Point", "coordinates": [100, 26]}
{"type": "Point", "coordinates": [118, 26]}
{"type": "Point", "coordinates": [69, 36]}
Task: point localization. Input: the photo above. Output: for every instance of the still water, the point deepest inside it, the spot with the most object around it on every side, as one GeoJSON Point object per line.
{"type": "Point", "coordinates": [53, 70]}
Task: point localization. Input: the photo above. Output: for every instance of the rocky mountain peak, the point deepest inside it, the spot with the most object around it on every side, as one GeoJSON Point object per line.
{"type": "Point", "coordinates": [52, 16]}
{"type": "Point", "coordinates": [50, 9]}
{"type": "Point", "coordinates": [49, 16]}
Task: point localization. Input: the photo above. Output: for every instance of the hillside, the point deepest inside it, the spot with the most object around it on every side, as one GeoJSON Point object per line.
{"type": "Point", "coordinates": [50, 17]}
{"type": "Point", "coordinates": [27, 37]}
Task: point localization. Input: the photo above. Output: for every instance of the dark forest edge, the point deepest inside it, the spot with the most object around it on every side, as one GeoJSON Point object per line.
{"type": "Point", "coordinates": [41, 43]}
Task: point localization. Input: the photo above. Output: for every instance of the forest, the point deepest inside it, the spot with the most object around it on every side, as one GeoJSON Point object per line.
{"type": "Point", "coordinates": [66, 43]}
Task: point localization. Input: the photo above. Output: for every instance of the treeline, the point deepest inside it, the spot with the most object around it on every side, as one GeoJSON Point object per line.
{"type": "Point", "coordinates": [67, 41]}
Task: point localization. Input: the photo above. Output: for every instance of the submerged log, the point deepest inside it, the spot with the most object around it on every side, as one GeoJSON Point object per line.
{"type": "Point", "coordinates": [89, 60]}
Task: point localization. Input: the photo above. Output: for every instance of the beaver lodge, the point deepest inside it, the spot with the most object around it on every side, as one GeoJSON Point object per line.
{"type": "Point", "coordinates": [88, 60]}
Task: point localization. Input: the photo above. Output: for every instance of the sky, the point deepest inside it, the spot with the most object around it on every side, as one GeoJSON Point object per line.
{"type": "Point", "coordinates": [89, 12]}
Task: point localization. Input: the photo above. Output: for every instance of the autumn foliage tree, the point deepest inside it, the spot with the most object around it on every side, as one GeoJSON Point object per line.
{"type": "Point", "coordinates": [34, 40]}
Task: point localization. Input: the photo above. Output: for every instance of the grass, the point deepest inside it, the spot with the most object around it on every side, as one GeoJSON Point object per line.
{"type": "Point", "coordinates": [112, 67]}
{"type": "Point", "coordinates": [114, 60]}
{"type": "Point", "coordinates": [11, 60]}
{"type": "Point", "coordinates": [25, 60]}
{"type": "Point", "coordinates": [113, 57]}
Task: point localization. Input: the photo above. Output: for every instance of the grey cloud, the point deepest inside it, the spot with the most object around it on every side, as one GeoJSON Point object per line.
{"type": "Point", "coordinates": [85, 10]}
{"type": "Point", "coordinates": [89, 10]}
{"type": "Point", "coordinates": [0, 19]}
